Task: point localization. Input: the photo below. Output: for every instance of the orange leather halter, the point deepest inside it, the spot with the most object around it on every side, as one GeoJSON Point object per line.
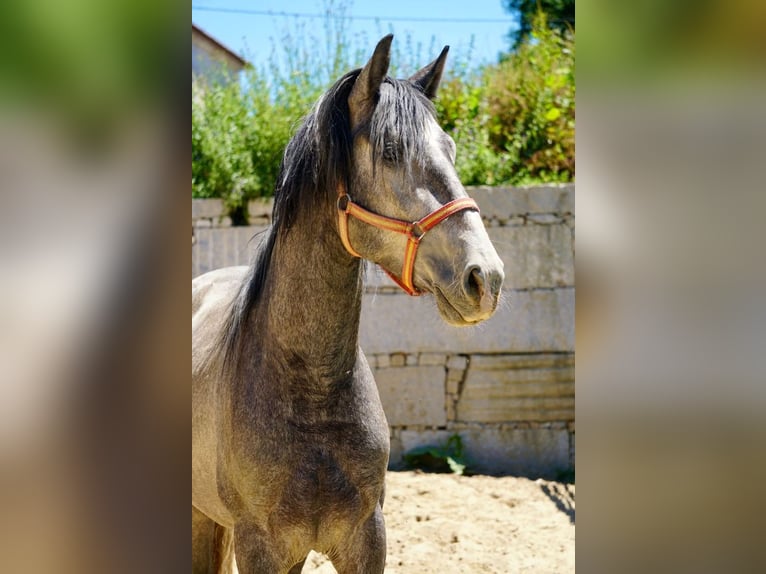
{"type": "Point", "coordinates": [414, 231]}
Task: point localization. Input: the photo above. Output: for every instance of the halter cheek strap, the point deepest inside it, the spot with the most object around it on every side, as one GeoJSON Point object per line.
{"type": "Point", "coordinates": [414, 231]}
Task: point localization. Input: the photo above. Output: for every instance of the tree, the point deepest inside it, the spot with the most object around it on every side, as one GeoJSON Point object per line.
{"type": "Point", "coordinates": [561, 16]}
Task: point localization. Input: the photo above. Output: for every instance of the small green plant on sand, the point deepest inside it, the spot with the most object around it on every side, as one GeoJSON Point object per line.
{"type": "Point", "coordinates": [447, 458]}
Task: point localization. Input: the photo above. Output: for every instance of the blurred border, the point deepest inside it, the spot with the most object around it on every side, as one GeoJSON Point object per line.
{"type": "Point", "coordinates": [94, 155]}
{"type": "Point", "coordinates": [671, 138]}
{"type": "Point", "coordinates": [93, 258]}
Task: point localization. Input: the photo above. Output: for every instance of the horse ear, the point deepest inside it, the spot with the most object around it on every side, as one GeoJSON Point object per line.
{"type": "Point", "coordinates": [368, 82]}
{"type": "Point", "coordinates": [427, 79]}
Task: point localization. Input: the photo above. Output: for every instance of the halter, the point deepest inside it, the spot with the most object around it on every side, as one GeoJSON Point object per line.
{"type": "Point", "coordinates": [414, 231]}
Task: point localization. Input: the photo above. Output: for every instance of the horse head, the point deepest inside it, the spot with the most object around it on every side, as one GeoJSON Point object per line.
{"type": "Point", "coordinates": [405, 208]}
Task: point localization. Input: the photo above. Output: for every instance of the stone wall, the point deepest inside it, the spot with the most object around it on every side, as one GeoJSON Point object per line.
{"type": "Point", "coordinates": [506, 386]}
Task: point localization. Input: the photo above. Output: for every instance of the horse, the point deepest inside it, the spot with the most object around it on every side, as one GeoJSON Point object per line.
{"type": "Point", "coordinates": [290, 444]}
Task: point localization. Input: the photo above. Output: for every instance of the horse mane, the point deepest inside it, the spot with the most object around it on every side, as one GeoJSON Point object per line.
{"type": "Point", "coordinates": [318, 160]}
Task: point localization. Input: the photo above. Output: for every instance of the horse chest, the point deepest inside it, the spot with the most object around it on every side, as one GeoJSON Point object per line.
{"type": "Point", "coordinates": [328, 484]}
{"type": "Point", "coordinates": [313, 460]}
{"type": "Point", "coordinates": [321, 489]}
{"type": "Point", "coordinates": [308, 466]}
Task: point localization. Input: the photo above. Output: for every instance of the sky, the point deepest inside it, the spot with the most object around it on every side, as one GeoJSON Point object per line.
{"type": "Point", "coordinates": [254, 35]}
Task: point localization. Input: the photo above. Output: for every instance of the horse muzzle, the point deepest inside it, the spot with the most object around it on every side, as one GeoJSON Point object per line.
{"type": "Point", "coordinates": [475, 298]}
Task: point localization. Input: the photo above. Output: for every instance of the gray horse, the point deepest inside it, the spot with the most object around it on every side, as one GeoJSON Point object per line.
{"type": "Point", "coordinates": [290, 443]}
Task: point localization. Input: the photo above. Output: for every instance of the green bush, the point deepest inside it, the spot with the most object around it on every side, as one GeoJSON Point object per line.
{"type": "Point", "coordinates": [240, 129]}
{"type": "Point", "coordinates": [531, 105]}
{"type": "Point", "coordinates": [238, 137]}
{"type": "Point", "coordinates": [513, 122]}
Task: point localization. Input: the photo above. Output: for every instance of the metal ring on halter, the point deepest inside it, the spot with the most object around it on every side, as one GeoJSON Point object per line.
{"type": "Point", "coordinates": [345, 200]}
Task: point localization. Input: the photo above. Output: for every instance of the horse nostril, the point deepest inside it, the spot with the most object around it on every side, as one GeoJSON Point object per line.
{"type": "Point", "coordinates": [474, 282]}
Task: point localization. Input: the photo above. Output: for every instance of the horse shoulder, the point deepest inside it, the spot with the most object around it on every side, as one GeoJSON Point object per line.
{"type": "Point", "coordinates": [212, 294]}
{"type": "Point", "coordinates": [216, 287]}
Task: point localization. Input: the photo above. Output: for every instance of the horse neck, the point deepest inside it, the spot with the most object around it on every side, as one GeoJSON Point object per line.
{"type": "Point", "coordinates": [313, 298]}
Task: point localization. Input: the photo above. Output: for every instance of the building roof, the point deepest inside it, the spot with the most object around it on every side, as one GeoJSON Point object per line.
{"type": "Point", "coordinates": [242, 62]}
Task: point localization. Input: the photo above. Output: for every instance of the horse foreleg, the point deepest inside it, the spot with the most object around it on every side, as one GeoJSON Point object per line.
{"type": "Point", "coordinates": [366, 551]}
{"type": "Point", "coordinates": [256, 554]}
{"type": "Point", "coordinates": [211, 546]}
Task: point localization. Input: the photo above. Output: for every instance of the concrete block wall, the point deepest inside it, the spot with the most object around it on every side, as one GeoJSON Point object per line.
{"type": "Point", "coordinates": [506, 386]}
{"type": "Point", "coordinates": [216, 243]}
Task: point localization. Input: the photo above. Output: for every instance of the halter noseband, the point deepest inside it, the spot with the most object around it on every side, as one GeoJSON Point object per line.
{"type": "Point", "coordinates": [414, 231]}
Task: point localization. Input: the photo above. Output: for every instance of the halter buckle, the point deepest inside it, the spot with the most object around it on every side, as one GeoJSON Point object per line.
{"type": "Point", "coordinates": [417, 232]}
{"type": "Point", "coordinates": [343, 201]}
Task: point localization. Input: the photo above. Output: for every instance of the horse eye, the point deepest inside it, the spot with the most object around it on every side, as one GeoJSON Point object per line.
{"type": "Point", "coordinates": [390, 151]}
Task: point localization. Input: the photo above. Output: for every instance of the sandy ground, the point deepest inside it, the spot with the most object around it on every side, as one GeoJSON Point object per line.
{"type": "Point", "coordinates": [440, 523]}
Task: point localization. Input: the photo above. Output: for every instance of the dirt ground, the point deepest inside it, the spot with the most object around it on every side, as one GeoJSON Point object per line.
{"type": "Point", "coordinates": [443, 523]}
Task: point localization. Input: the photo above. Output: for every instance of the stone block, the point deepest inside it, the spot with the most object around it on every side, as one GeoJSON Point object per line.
{"type": "Point", "coordinates": [261, 207]}
{"type": "Point", "coordinates": [457, 362]}
{"type": "Point", "coordinates": [412, 395]}
{"type": "Point", "coordinates": [223, 247]}
{"type": "Point", "coordinates": [201, 252]}
{"type": "Point", "coordinates": [411, 439]}
{"type": "Point", "coordinates": [432, 359]}
{"type": "Point", "coordinates": [395, 456]}
{"type": "Point", "coordinates": [220, 246]}
{"type": "Point", "coordinates": [532, 361]}
{"type": "Point", "coordinates": [453, 381]}
{"type": "Point", "coordinates": [258, 221]}
{"type": "Point", "coordinates": [543, 218]}
{"type": "Point", "coordinates": [505, 409]}
{"type": "Point", "coordinates": [523, 452]}
{"type": "Point", "coordinates": [528, 321]}
{"type": "Point", "coordinates": [535, 255]}
{"type": "Point", "coordinates": [195, 255]}
{"type": "Point", "coordinates": [537, 388]}
{"type": "Point", "coordinates": [207, 208]}
{"type": "Point", "coordinates": [451, 409]}
{"type": "Point", "coordinates": [504, 202]}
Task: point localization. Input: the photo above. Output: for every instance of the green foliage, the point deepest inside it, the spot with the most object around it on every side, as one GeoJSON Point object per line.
{"type": "Point", "coordinates": [531, 105]}
{"type": "Point", "coordinates": [447, 458]}
{"type": "Point", "coordinates": [239, 132]}
{"type": "Point", "coordinates": [560, 13]}
{"type": "Point", "coordinates": [513, 122]}
{"type": "Point", "coordinates": [240, 129]}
